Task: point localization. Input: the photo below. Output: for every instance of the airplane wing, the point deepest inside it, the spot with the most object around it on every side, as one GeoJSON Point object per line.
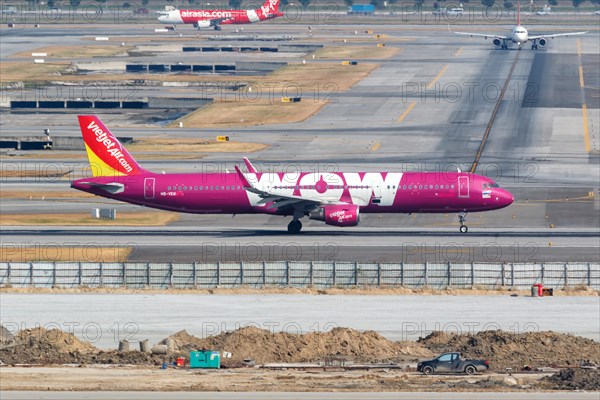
{"type": "Point", "coordinates": [485, 35]}
{"type": "Point", "coordinates": [534, 37]}
{"type": "Point", "coordinates": [282, 201]}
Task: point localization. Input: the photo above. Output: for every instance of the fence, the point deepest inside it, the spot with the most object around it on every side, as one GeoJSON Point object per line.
{"type": "Point", "coordinates": [298, 274]}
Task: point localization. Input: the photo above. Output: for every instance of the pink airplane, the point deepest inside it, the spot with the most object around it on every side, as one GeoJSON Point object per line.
{"type": "Point", "coordinates": [202, 19]}
{"type": "Point", "coordinates": [336, 198]}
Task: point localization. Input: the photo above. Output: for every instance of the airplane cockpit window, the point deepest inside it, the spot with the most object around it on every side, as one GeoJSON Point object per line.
{"type": "Point", "coordinates": [490, 185]}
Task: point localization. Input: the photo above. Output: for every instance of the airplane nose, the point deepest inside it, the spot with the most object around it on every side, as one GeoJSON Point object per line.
{"type": "Point", "coordinates": [505, 198]}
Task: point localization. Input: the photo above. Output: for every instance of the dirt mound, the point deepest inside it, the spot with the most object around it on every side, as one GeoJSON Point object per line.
{"type": "Point", "coordinates": [6, 337]}
{"type": "Point", "coordinates": [41, 346]}
{"type": "Point", "coordinates": [573, 379]}
{"type": "Point", "coordinates": [506, 349]}
{"type": "Point", "coordinates": [267, 347]}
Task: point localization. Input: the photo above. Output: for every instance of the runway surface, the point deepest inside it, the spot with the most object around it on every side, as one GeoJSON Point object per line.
{"type": "Point", "coordinates": [426, 108]}
{"type": "Point", "coordinates": [104, 319]}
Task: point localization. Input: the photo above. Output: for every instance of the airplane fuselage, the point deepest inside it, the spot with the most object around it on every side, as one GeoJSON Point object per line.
{"type": "Point", "coordinates": [229, 17]}
{"type": "Point", "coordinates": [519, 35]}
{"type": "Point", "coordinates": [378, 192]}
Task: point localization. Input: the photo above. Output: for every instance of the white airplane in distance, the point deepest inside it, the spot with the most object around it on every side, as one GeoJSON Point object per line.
{"type": "Point", "coordinates": [520, 36]}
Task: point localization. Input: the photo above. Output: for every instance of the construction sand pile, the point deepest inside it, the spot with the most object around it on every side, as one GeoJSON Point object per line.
{"type": "Point", "coordinates": [510, 350]}
{"type": "Point", "coordinates": [573, 379]}
{"type": "Point", "coordinates": [42, 346]}
{"type": "Point", "coordinates": [264, 346]}
{"type": "Point", "coordinates": [6, 338]}
{"type": "Point", "coordinates": [502, 349]}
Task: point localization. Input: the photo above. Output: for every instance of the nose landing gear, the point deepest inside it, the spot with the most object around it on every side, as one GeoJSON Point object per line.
{"type": "Point", "coordinates": [462, 217]}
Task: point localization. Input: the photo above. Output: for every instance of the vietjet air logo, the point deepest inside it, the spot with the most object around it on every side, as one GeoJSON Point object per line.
{"type": "Point", "coordinates": [270, 7]}
{"type": "Point", "coordinates": [111, 146]}
{"type": "Point", "coordinates": [205, 14]}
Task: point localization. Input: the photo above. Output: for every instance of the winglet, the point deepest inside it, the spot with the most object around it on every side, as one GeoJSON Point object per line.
{"type": "Point", "coordinates": [249, 165]}
{"type": "Point", "coordinates": [242, 177]}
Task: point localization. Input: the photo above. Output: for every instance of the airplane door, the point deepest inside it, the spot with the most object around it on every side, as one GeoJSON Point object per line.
{"type": "Point", "coordinates": [463, 186]}
{"type": "Point", "coordinates": [149, 188]}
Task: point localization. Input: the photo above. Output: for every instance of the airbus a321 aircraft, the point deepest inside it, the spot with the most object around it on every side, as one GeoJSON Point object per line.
{"type": "Point", "coordinates": [520, 36]}
{"type": "Point", "coordinates": [336, 198]}
{"type": "Point", "coordinates": [203, 19]}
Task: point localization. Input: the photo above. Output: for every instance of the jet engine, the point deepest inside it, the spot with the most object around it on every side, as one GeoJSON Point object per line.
{"type": "Point", "coordinates": [337, 214]}
{"type": "Point", "coordinates": [202, 24]}
{"type": "Point", "coordinates": [542, 42]}
{"type": "Point", "coordinates": [497, 42]}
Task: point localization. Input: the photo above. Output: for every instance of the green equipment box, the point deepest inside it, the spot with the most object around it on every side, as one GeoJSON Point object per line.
{"type": "Point", "coordinates": [205, 359]}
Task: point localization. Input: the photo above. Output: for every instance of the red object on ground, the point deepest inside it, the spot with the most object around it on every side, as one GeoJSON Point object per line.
{"type": "Point", "coordinates": [540, 289]}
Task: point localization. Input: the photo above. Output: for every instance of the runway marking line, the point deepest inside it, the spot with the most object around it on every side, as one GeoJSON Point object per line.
{"type": "Point", "coordinates": [459, 51]}
{"type": "Point", "coordinates": [407, 111]}
{"type": "Point", "coordinates": [586, 130]}
{"type": "Point", "coordinates": [375, 146]}
{"type": "Point", "coordinates": [584, 113]}
{"type": "Point", "coordinates": [434, 81]}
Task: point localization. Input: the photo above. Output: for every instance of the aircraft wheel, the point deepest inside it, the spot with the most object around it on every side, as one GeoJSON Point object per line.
{"type": "Point", "coordinates": [464, 229]}
{"type": "Point", "coordinates": [294, 227]}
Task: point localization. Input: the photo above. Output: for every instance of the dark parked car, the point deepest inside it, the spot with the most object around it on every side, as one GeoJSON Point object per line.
{"type": "Point", "coordinates": [451, 362]}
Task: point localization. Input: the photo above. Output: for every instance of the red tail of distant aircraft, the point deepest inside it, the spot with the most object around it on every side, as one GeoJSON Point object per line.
{"type": "Point", "coordinates": [336, 198]}
{"type": "Point", "coordinates": [203, 19]}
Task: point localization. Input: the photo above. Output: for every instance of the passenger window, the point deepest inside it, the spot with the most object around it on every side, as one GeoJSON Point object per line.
{"type": "Point", "coordinates": [180, 188]}
{"type": "Point", "coordinates": [168, 187]}
{"type": "Point", "coordinates": [445, 357]}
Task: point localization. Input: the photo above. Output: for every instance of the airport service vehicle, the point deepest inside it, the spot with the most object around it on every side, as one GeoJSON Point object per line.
{"type": "Point", "coordinates": [451, 362]}
{"type": "Point", "coordinates": [204, 19]}
{"type": "Point", "coordinates": [520, 36]}
{"type": "Point", "coordinates": [336, 198]}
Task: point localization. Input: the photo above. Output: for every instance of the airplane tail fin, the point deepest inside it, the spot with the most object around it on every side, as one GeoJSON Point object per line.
{"type": "Point", "coordinates": [269, 8]}
{"type": "Point", "coordinates": [106, 154]}
{"type": "Point", "coordinates": [518, 13]}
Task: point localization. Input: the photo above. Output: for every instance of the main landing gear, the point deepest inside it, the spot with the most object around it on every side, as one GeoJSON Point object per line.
{"type": "Point", "coordinates": [295, 226]}
{"type": "Point", "coordinates": [462, 217]}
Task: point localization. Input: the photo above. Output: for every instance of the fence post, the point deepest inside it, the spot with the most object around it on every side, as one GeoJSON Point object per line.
{"type": "Point", "coordinates": [124, 274]}
{"type": "Point", "coordinates": [355, 273]}
{"type": "Point", "coordinates": [543, 273]}
{"type": "Point", "coordinates": [402, 274]}
{"type": "Point", "coordinates": [287, 273]}
{"type": "Point", "coordinates": [30, 273]}
{"type": "Point", "coordinates": [100, 278]}
{"type": "Point", "coordinates": [241, 272]}
{"type": "Point", "coordinates": [449, 274]}
{"type": "Point", "coordinates": [264, 279]}
{"type": "Point", "coordinates": [170, 274]}
{"type": "Point", "coordinates": [334, 277]}
{"type": "Point", "coordinates": [472, 275]}
{"type": "Point", "coordinates": [589, 275]}
{"type": "Point", "coordinates": [148, 280]}
{"type": "Point", "coordinates": [8, 273]}
{"type": "Point", "coordinates": [425, 274]}
{"type": "Point", "coordinates": [218, 273]}
{"type": "Point", "coordinates": [80, 278]}
{"type": "Point", "coordinates": [378, 274]}
{"type": "Point", "coordinates": [566, 278]}
{"type": "Point", "coordinates": [502, 272]}
{"type": "Point", "coordinates": [54, 274]}
{"type": "Point", "coordinates": [195, 273]}
{"type": "Point", "coordinates": [310, 273]}
{"type": "Point", "coordinates": [512, 275]}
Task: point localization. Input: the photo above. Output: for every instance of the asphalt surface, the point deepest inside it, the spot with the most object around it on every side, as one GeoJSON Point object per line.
{"type": "Point", "coordinates": [426, 108]}
{"type": "Point", "coordinates": [397, 317]}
